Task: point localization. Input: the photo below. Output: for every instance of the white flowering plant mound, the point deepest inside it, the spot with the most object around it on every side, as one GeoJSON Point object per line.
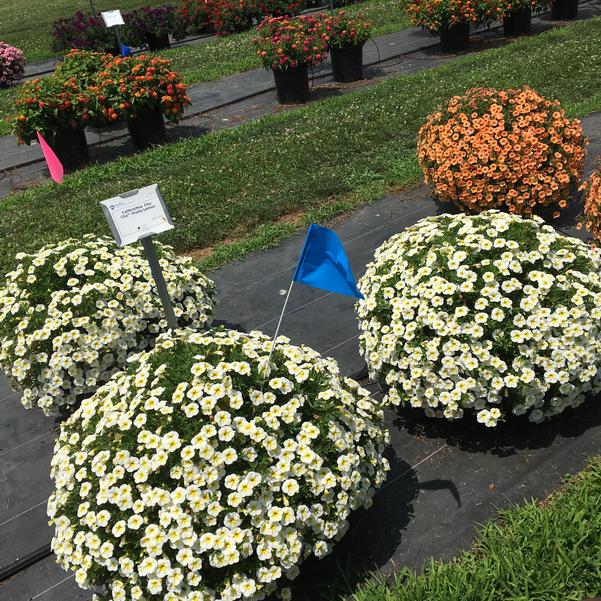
{"type": "Point", "coordinates": [72, 313]}
{"type": "Point", "coordinates": [199, 473]}
{"type": "Point", "coordinates": [492, 314]}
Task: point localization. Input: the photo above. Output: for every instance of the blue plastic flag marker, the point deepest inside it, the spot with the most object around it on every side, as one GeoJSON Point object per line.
{"type": "Point", "coordinates": [322, 264]}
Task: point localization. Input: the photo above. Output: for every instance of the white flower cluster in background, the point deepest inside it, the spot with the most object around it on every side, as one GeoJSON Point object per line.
{"type": "Point", "coordinates": [489, 314]}
{"type": "Point", "coordinates": [200, 474]}
{"type": "Point", "coordinates": [72, 313]}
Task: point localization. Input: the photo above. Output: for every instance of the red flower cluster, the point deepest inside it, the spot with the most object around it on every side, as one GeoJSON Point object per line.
{"type": "Point", "coordinates": [341, 31]}
{"type": "Point", "coordinates": [225, 17]}
{"type": "Point", "coordinates": [511, 150]}
{"type": "Point", "coordinates": [46, 104]}
{"type": "Point", "coordinates": [285, 43]}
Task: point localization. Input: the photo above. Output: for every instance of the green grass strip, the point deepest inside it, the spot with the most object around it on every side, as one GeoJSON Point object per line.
{"type": "Point", "coordinates": [217, 58]}
{"type": "Point", "coordinates": [322, 159]}
{"type": "Point", "coordinates": [536, 552]}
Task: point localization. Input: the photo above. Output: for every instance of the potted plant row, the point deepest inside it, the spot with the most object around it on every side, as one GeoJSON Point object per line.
{"type": "Point", "coordinates": [224, 17]}
{"type": "Point", "coordinates": [152, 27]}
{"type": "Point", "coordinates": [95, 89]}
{"type": "Point", "coordinates": [288, 46]}
{"type": "Point", "coordinates": [452, 19]}
{"type": "Point", "coordinates": [147, 27]}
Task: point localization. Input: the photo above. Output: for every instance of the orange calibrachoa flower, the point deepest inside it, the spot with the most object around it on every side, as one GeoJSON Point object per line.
{"type": "Point", "coordinates": [511, 150]}
{"type": "Point", "coordinates": [592, 205]}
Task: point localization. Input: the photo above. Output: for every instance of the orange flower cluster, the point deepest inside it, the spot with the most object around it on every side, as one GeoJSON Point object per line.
{"type": "Point", "coordinates": [592, 205]}
{"type": "Point", "coordinates": [511, 150]}
{"type": "Point", "coordinates": [129, 84]}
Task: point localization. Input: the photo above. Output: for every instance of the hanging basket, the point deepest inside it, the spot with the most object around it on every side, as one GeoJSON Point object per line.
{"type": "Point", "coordinates": [70, 146]}
{"type": "Point", "coordinates": [157, 42]}
{"type": "Point", "coordinates": [147, 129]}
{"type": "Point", "coordinates": [347, 63]}
{"type": "Point", "coordinates": [454, 38]}
{"type": "Point", "coordinates": [517, 22]}
{"type": "Point", "coordinates": [562, 10]}
{"type": "Point", "coordinates": [292, 85]}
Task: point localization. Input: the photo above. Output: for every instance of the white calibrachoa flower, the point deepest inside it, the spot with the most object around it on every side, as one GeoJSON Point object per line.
{"type": "Point", "coordinates": [154, 501]}
{"type": "Point", "coordinates": [489, 314]}
{"type": "Point", "coordinates": [72, 313]}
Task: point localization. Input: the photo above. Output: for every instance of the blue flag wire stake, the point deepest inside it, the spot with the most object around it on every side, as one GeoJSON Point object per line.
{"type": "Point", "coordinates": [322, 264]}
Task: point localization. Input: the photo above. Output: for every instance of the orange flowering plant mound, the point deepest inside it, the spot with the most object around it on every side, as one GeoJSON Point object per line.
{"type": "Point", "coordinates": [592, 205]}
{"type": "Point", "coordinates": [511, 150]}
{"type": "Point", "coordinates": [131, 84]}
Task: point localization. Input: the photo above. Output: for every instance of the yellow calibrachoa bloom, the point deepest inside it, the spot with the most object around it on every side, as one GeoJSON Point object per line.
{"type": "Point", "coordinates": [489, 315]}
{"type": "Point", "coordinates": [154, 501]}
{"type": "Point", "coordinates": [72, 313]}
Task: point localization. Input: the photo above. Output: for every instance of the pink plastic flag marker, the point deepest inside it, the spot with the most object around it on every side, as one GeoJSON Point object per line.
{"type": "Point", "coordinates": [54, 165]}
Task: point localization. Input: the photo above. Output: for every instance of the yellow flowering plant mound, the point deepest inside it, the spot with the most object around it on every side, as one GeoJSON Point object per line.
{"type": "Point", "coordinates": [203, 472]}
{"type": "Point", "coordinates": [592, 205]}
{"type": "Point", "coordinates": [512, 150]}
{"type": "Point", "coordinates": [73, 312]}
{"type": "Point", "coordinates": [488, 315]}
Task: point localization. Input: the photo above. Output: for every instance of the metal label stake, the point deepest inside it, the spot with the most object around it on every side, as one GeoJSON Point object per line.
{"type": "Point", "coordinates": [135, 216]}
{"type": "Point", "coordinates": [157, 274]}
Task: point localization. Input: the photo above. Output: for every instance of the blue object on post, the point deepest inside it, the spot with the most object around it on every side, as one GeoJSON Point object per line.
{"type": "Point", "coordinates": [125, 50]}
{"type": "Point", "coordinates": [323, 263]}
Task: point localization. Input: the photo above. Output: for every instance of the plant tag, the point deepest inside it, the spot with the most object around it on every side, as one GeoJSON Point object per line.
{"type": "Point", "coordinates": [137, 214]}
{"type": "Point", "coordinates": [112, 18]}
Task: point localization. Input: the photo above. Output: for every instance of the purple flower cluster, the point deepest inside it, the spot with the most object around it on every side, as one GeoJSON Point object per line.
{"type": "Point", "coordinates": [155, 21]}
{"type": "Point", "coordinates": [83, 32]}
{"type": "Point", "coordinates": [12, 64]}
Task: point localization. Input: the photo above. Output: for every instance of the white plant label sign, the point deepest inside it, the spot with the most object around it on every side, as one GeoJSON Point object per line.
{"type": "Point", "coordinates": [112, 18]}
{"type": "Point", "coordinates": [137, 214]}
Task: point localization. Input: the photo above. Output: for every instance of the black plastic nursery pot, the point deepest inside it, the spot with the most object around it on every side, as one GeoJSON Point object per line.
{"type": "Point", "coordinates": [454, 38]}
{"type": "Point", "coordinates": [157, 42]}
{"type": "Point", "coordinates": [70, 146]}
{"type": "Point", "coordinates": [564, 9]}
{"type": "Point", "coordinates": [347, 63]}
{"type": "Point", "coordinates": [147, 129]}
{"type": "Point", "coordinates": [292, 84]}
{"type": "Point", "coordinates": [517, 22]}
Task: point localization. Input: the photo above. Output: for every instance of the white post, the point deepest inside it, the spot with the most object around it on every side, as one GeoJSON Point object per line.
{"type": "Point", "coordinates": [277, 329]}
